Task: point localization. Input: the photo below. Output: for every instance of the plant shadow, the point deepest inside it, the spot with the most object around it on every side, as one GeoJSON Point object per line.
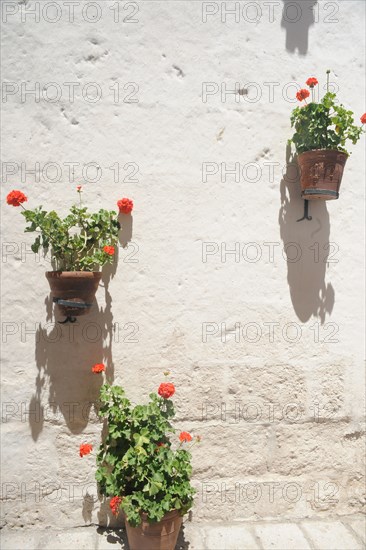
{"type": "Point", "coordinates": [307, 246]}
{"type": "Point", "coordinates": [126, 223]}
{"type": "Point", "coordinates": [113, 536]}
{"type": "Point", "coordinates": [65, 354]}
{"type": "Point", "coordinates": [297, 18]}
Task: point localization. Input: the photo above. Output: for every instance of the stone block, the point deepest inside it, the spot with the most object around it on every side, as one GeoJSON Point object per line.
{"type": "Point", "coordinates": [230, 538]}
{"type": "Point", "coordinates": [334, 535]}
{"type": "Point", "coordinates": [281, 536]}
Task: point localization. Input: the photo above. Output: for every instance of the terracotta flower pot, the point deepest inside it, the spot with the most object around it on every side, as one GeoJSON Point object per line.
{"type": "Point", "coordinates": [162, 535]}
{"type": "Point", "coordinates": [321, 173]}
{"type": "Point", "coordinates": [73, 291]}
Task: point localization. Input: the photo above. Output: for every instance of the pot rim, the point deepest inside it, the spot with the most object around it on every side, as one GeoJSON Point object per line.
{"type": "Point", "coordinates": [86, 274]}
{"type": "Point", "coordinates": [324, 150]}
{"type": "Point", "coordinates": [167, 516]}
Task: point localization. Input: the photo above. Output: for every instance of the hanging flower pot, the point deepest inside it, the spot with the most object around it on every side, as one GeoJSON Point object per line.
{"type": "Point", "coordinates": [73, 291]}
{"type": "Point", "coordinates": [321, 173]}
{"type": "Point", "coordinates": [162, 535]}
{"type": "Point", "coordinates": [79, 245]}
{"type": "Point", "coordinates": [321, 132]}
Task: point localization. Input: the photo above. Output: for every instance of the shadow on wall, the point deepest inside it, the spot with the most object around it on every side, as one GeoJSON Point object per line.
{"type": "Point", "coordinates": [65, 356]}
{"type": "Point", "coordinates": [297, 18]}
{"type": "Point", "coordinates": [307, 246]}
{"type": "Point", "coordinates": [115, 536]}
{"type": "Point", "coordinates": [182, 543]}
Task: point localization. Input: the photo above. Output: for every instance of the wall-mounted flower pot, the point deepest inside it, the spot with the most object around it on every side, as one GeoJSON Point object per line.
{"type": "Point", "coordinates": [73, 291]}
{"type": "Point", "coordinates": [321, 173]}
{"type": "Point", "coordinates": [162, 535]}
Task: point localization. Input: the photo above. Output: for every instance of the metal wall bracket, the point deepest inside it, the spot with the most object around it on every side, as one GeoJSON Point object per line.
{"type": "Point", "coordinates": [68, 320]}
{"type": "Point", "coordinates": [306, 212]}
{"type": "Point", "coordinates": [68, 303]}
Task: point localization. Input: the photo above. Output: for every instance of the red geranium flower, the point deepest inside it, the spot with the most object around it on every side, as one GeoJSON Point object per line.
{"type": "Point", "coordinates": [99, 367]}
{"type": "Point", "coordinates": [302, 94]}
{"type": "Point", "coordinates": [185, 436]}
{"type": "Point", "coordinates": [311, 82]}
{"type": "Point", "coordinates": [85, 449]}
{"type": "Point", "coordinates": [125, 206]}
{"type": "Point", "coordinates": [363, 118]}
{"type": "Point", "coordinates": [115, 504]}
{"type": "Point", "coordinates": [109, 250]}
{"type": "Point", "coordinates": [166, 390]}
{"type": "Point", "coordinates": [15, 198]}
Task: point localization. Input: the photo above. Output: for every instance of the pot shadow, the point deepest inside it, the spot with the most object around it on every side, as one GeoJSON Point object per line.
{"type": "Point", "coordinates": [182, 543]}
{"type": "Point", "coordinates": [297, 18]}
{"type": "Point", "coordinates": [114, 536]}
{"type": "Point", "coordinates": [65, 354]}
{"type": "Point", "coordinates": [307, 247]}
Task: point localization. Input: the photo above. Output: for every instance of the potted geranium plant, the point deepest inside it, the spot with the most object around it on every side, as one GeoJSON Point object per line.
{"type": "Point", "coordinates": [79, 245]}
{"type": "Point", "coordinates": [144, 468]}
{"type": "Point", "coordinates": [321, 134]}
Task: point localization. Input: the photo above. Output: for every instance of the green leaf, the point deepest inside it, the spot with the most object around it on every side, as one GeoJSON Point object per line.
{"type": "Point", "coordinates": [154, 488]}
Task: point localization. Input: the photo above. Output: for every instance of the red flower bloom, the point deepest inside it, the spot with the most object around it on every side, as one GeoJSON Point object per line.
{"type": "Point", "coordinates": [311, 82]}
{"type": "Point", "coordinates": [99, 367]}
{"type": "Point", "coordinates": [125, 206]}
{"type": "Point", "coordinates": [185, 436]}
{"type": "Point", "coordinates": [15, 198]}
{"type": "Point", "coordinates": [302, 94]}
{"type": "Point", "coordinates": [78, 188]}
{"type": "Point", "coordinates": [115, 505]}
{"type": "Point", "coordinates": [166, 390]}
{"type": "Point", "coordinates": [85, 449]}
{"type": "Point", "coordinates": [363, 118]}
{"type": "Point", "coordinates": [109, 250]}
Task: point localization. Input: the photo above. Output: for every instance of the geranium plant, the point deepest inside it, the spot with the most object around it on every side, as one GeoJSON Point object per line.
{"type": "Point", "coordinates": [323, 125]}
{"type": "Point", "coordinates": [81, 241]}
{"type": "Point", "coordinates": [143, 466]}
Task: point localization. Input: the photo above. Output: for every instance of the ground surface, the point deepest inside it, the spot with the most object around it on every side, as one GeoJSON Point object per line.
{"type": "Point", "coordinates": [347, 533]}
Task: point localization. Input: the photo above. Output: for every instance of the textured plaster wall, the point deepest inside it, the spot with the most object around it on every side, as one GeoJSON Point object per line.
{"type": "Point", "coordinates": [266, 354]}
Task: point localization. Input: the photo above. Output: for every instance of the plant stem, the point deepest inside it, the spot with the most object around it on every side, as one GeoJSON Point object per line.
{"type": "Point", "coordinates": [193, 444]}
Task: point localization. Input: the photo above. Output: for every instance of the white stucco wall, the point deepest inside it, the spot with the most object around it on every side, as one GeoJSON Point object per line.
{"type": "Point", "coordinates": [294, 368]}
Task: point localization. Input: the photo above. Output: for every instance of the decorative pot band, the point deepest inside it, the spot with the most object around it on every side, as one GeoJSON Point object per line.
{"type": "Point", "coordinates": [328, 192]}
{"type": "Point", "coordinates": [68, 303]}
